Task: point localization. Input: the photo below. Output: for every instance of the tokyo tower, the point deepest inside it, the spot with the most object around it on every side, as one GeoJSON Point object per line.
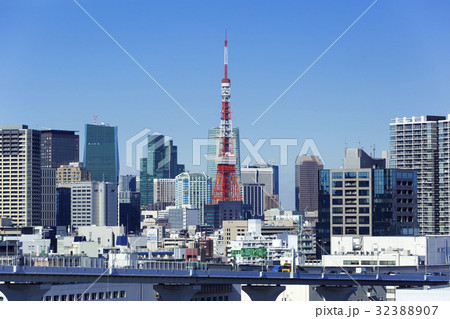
{"type": "Point", "coordinates": [226, 186]}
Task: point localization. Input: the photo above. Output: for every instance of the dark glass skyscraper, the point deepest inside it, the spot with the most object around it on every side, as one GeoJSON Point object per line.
{"type": "Point", "coordinates": [161, 162]}
{"type": "Point", "coordinates": [101, 153]}
{"type": "Point", "coordinates": [59, 148]}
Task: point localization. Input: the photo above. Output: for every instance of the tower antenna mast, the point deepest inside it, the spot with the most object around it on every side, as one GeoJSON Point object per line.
{"type": "Point", "coordinates": [226, 186]}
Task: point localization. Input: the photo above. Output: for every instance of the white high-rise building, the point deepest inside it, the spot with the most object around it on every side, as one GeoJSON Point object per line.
{"type": "Point", "coordinates": [415, 144]}
{"type": "Point", "coordinates": [444, 176]}
{"type": "Point", "coordinates": [94, 203]}
{"type": "Point", "coordinates": [193, 189]}
{"type": "Point", "coordinates": [20, 182]}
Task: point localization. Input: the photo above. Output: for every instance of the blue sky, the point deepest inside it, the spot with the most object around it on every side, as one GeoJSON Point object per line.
{"type": "Point", "coordinates": [58, 69]}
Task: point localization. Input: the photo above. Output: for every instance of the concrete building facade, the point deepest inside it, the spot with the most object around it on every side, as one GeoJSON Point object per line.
{"type": "Point", "coordinates": [415, 144]}
{"type": "Point", "coordinates": [94, 203]}
{"type": "Point", "coordinates": [20, 166]}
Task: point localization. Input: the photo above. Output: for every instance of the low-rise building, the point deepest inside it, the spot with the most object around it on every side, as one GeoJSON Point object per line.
{"type": "Point", "coordinates": [388, 251]}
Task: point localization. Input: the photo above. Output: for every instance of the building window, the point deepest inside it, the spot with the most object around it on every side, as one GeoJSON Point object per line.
{"type": "Point", "coordinates": [351, 262]}
{"type": "Point", "coordinates": [337, 183]}
{"type": "Point", "coordinates": [337, 220]}
{"type": "Point", "coordinates": [363, 183]}
{"type": "Point", "coordinates": [336, 175]}
{"type": "Point", "coordinates": [337, 192]}
{"type": "Point", "coordinates": [368, 262]}
{"type": "Point", "coordinates": [363, 174]}
{"type": "Point", "coordinates": [350, 174]}
{"type": "Point", "coordinates": [364, 230]}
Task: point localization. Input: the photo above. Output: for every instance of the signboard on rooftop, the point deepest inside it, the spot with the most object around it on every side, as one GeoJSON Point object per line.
{"type": "Point", "coordinates": [250, 252]}
{"type": "Point", "coordinates": [152, 233]}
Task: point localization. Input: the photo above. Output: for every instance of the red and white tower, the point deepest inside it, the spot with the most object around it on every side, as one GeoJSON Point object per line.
{"type": "Point", "coordinates": [226, 187]}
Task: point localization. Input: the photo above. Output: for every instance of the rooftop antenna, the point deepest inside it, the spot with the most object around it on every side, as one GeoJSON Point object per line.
{"type": "Point", "coordinates": [95, 119]}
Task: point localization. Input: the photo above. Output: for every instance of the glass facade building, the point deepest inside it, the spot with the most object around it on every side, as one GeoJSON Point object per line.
{"type": "Point", "coordinates": [366, 202]}
{"type": "Point", "coordinates": [101, 153]}
{"type": "Point", "coordinates": [59, 148]}
{"type": "Point", "coordinates": [161, 162]}
{"type": "Point", "coordinates": [193, 189]}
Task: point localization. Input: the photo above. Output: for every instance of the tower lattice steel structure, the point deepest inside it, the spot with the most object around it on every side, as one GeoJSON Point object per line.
{"type": "Point", "coordinates": [226, 187]}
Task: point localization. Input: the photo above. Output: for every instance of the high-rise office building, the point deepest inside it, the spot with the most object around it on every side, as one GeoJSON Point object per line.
{"type": "Point", "coordinates": [63, 206]}
{"type": "Point", "coordinates": [130, 211]}
{"type": "Point", "coordinates": [101, 153]}
{"type": "Point", "coordinates": [164, 190]}
{"type": "Point", "coordinates": [20, 166]}
{"type": "Point", "coordinates": [271, 202]}
{"type": "Point", "coordinates": [66, 175]}
{"type": "Point", "coordinates": [225, 210]}
{"type": "Point", "coordinates": [307, 169]}
{"type": "Point", "coordinates": [48, 196]}
{"type": "Point", "coordinates": [415, 144]}
{"type": "Point", "coordinates": [193, 189]}
{"type": "Point", "coordinates": [213, 152]}
{"type": "Point", "coordinates": [94, 203]}
{"type": "Point", "coordinates": [127, 183]}
{"type": "Point", "coordinates": [161, 162]}
{"type": "Point", "coordinates": [129, 204]}
{"type": "Point", "coordinates": [366, 199]}
{"type": "Point", "coordinates": [253, 195]}
{"type": "Point", "coordinates": [59, 148]}
{"type": "Point", "coordinates": [182, 217]}
{"type": "Point", "coordinates": [265, 175]}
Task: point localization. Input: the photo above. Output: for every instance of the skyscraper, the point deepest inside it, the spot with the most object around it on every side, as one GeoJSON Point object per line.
{"type": "Point", "coordinates": [164, 190]}
{"type": "Point", "coordinates": [253, 195]}
{"type": "Point", "coordinates": [72, 173]}
{"type": "Point", "coordinates": [48, 196]}
{"type": "Point", "coordinates": [20, 167]}
{"type": "Point", "coordinates": [213, 152]}
{"type": "Point", "coordinates": [127, 183]}
{"type": "Point", "coordinates": [94, 203]}
{"type": "Point", "coordinates": [59, 148]}
{"type": "Point", "coordinates": [101, 153]}
{"type": "Point", "coordinates": [415, 144]}
{"type": "Point", "coordinates": [129, 204]}
{"type": "Point", "coordinates": [161, 162]}
{"type": "Point", "coordinates": [366, 199]}
{"type": "Point", "coordinates": [264, 175]}
{"type": "Point", "coordinates": [307, 169]}
{"type": "Point", "coordinates": [193, 189]}
{"type": "Point", "coordinates": [444, 176]}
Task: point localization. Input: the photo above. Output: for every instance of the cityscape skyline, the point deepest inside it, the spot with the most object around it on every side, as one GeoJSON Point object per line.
{"type": "Point", "coordinates": [396, 67]}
